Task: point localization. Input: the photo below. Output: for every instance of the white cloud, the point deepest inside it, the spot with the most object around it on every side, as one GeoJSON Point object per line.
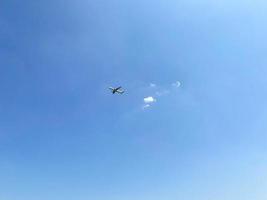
{"type": "Point", "coordinates": [148, 100]}
{"type": "Point", "coordinates": [177, 84]}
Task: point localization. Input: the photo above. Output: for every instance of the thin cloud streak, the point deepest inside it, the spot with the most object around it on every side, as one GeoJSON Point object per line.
{"type": "Point", "coordinates": [152, 85]}
{"type": "Point", "coordinates": [146, 106]}
{"type": "Point", "coordinates": [177, 84]}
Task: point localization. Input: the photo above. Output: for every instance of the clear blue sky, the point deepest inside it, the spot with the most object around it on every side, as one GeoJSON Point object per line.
{"type": "Point", "coordinates": [63, 136]}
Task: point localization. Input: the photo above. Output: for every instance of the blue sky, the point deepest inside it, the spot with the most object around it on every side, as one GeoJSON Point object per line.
{"type": "Point", "coordinates": [64, 136]}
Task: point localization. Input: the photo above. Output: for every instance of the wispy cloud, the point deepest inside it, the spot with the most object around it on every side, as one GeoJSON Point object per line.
{"type": "Point", "coordinates": [152, 85]}
{"type": "Point", "coordinates": [146, 106]}
{"type": "Point", "coordinates": [163, 92]}
{"type": "Point", "coordinates": [176, 84]}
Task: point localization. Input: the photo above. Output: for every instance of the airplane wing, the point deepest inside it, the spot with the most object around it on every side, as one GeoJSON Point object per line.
{"type": "Point", "coordinates": [111, 88]}
{"type": "Point", "coordinates": [120, 91]}
{"type": "Point", "coordinates": [118, 88]}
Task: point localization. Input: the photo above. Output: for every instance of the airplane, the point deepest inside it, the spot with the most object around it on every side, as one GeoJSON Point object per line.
{"type": "Point", "coordinates": [118, 90]}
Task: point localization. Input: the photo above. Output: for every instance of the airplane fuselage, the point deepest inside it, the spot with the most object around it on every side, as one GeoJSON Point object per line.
{"type": "Point", "coordinates": [116, 90]}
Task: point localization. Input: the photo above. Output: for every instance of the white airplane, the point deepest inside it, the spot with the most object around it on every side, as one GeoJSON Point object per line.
{"type": "Point", "coordinates": [118, 90]}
